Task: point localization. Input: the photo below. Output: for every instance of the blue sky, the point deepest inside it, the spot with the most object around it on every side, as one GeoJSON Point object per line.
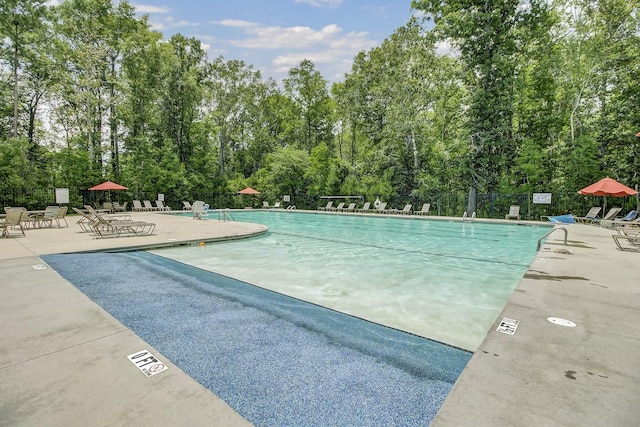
{"type": "Point", "coordinates": [276, 35]}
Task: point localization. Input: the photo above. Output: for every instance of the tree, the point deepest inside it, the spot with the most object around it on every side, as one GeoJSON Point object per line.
{"type": "Point", "coordinates": [284, 172]}
{"type": "Point", "coordinates": [488, 34]}
{"type": "Point", "coordinates": [183, 93]}
{"type": "Point", "coordinates": [308, 91]}
{"type": "Point", "coordinates": [21, 21]}
{"type": "Point", "coordinates": [233, 100]}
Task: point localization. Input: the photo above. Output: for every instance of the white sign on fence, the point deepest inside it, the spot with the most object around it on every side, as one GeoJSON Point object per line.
{"type": "Point", "coordinates": [62, 195]}
{"type": "Point", "coordinates": [542, 198]}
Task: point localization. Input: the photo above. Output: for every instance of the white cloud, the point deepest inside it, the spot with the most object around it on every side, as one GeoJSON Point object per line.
{"type": "Point", "coordinates": [236, 23]}
{"type": "Point", "coordinates": [444, 48]}
{"type": "Point", "coordinates": [329, 48]}
{"type": "Point", "coordinates": [169, 22]}
{"type": "Point", "coordinates": [321, 3]}
{"type": "Point", "coordinates": [377, 10]}
{"type": "Point", "coordinates": [162, 22]}
{"type": "Point", "coordinates": [297, 37]}
{"type": "Point", "coordinates": [145, 8]}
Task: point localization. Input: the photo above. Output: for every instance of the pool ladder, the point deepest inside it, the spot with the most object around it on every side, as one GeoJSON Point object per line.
{"type": "Point", "coordinates": [224, 215]}
{"type": "Point", "coordinates": [566, 234]}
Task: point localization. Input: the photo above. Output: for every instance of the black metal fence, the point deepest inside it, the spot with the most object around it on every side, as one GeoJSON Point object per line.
{"type": "Point", "coordinates": [450, 204]}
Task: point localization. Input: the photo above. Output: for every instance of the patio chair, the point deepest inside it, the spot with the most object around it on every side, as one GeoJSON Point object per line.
{"type": "Point", "coordinates": [590, 217]}
{"type": "Point", "coordinates": [187, 205]}
{"type": "Point", "coordinates": [381, 207]}
{"type": "Point", "coordinates": [200, 209]}
{"type": "Point", "coordinates": [61, 215]}
{"type": "Point", "coordinates": [161, 207]}
{"type": "Point", "coordinates": [406, 210]}
{"type": "Point", "coordinates": [50, 213]}
{"type": "Point", "coordinates": [514, 212]}
{"type": "Point", "coordinates": [629, 228]}
{"type": "Point", "coordinates": [562, 219]}
{"type": "Point", "coordinates": [12, 219]}
{"type": "Point", "coordinates": [632, 241]}
{"type": "Point", "coordinates": [89, 219]}
{"type": "Point", "coordinates": [103, 226]}
{"type": "Point", "coordinates": [276, 205]}
{"type": "Point", "coordinates": [610, 223]}
{"type": "Point", "coordinates": [337, 208]}
{"type": "Point", "coordinates": [350, 208]}
{"type": "Point", "coordinates": [117, 207]}
{"type": "Point", "coordinates": [265, 205]}
{"type": "Point", "coordinates": [86, 220]}
{"type": "Point", "coordinates": [424, 210]}
{"type": "Point", "coordinates": [137, 206]}
{"type": "Point", "coordinates": [148, 206]}
{"type": "Point", "coordinates": [327, 207]}
{"type": "Point", "coordinates": [108, 206]}
{"type": "Point", "coordinates": [365, 208]}
{"type": "Point", "coordinates": [610, 215]}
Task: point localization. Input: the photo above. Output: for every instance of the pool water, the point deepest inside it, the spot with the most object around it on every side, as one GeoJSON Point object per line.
{"type": "Point", "coordinates": [278, 361]}
{"type": "Point", "coordinates": [443, 280]}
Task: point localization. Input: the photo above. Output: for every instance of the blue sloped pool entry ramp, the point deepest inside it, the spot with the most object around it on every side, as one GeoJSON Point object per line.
{"type": "Point", "coordinates": [277, 360]}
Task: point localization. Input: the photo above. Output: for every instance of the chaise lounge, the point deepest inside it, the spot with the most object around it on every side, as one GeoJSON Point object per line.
{"type": "Point", "coordinates": [590, 217]}
{"type": "Point", "coordinates": [424, 210]}
{"type": "Point", "coordinates": [514, 212]}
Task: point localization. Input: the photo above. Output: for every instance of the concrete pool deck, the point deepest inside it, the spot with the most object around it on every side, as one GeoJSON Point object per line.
{"type": "Point", "coordinates": [63, 358]}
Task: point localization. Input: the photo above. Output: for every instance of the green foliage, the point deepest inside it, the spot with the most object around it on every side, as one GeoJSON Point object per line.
{"type": "Point", "coordinates": [14, 166]}
{"type": "Point", "coordinates": [583, 164]}
{"type": "Point", "coordinates": [284, 172]}
{"type": "Point", "coordinates": [532, 99]}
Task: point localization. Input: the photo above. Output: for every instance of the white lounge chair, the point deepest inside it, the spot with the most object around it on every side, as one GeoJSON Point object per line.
{"type": "Point", "coordinates": [148, 206]}
{"type": "Point", "coordinates": [609, 223]}
{"type": "Point", "coordinates": [514, 212]}
{"type": "Point", "coordinates": [365, 208]}
{"type": "Point", "coordinates": [337, 208]}
{"type": "Point", "coordinates": [108, 226]}
{"type": "Point", "coordinates": [350, 208]}
{"type": "Point", "coordinates": [406, 210]}
{"type": "Point", "coordinates": [590, 217]}
{"type": "Point", "coordinates": [137, 206]}
{"type": "Point", "coordinates": [161, 207]}
{"type": "Point", "coordinates": [328, 207]}
{"type": "Point", "coordinates": [200, 209]}
{"type": "Point", "coordinates": [424, 210]}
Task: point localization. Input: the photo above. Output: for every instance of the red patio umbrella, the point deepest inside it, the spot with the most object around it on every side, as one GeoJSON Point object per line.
{"type": "Point", "coordinates": [248, 190]}
{"type": "Point", "coordinates": [607, 187]}
{"type": "Point", "coordinates": [108, 185]}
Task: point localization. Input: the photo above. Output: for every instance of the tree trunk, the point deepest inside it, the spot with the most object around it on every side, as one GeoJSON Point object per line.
{"type": "Point", "coordinates": [15, 88]}
{"type": "Point", "coordinates": [471, 206]}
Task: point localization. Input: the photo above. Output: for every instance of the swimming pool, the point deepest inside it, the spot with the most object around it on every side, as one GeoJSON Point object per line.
{"type": "Point", "coordinates": [277, 360]}
{"type": "Point", "coordinates": [443, 280]}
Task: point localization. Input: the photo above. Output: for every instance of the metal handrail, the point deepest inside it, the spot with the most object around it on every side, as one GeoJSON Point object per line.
{"type": "Point", "coordinates": [225, 215]}
{"type": "Point", "coordinates": [566, 235]}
